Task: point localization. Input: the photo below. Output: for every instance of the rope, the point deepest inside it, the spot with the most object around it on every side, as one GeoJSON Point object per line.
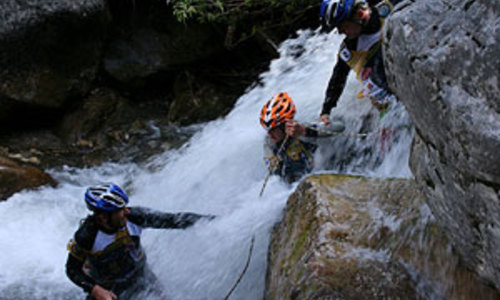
{"type": "Point", "coordinates": [336, 133]}
{"type": "Point", "coordinates": [244, 269]}
{"type": "Point", "coordinates": [327, 132]}
{"type": "Point", "coordinates": [271, 169]}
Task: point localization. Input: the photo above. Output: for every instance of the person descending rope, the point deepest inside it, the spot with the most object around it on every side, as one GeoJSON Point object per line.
{"type": "Point", "coordinates": [361, 51]}
{"type": "Point", "coordinates": [105, 257]}
{"type": "Point", "coordinates": [289, 146]}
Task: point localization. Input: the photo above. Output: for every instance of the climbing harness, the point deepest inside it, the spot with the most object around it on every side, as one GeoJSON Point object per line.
{"type": "Point", "coordinates": [271, 169]}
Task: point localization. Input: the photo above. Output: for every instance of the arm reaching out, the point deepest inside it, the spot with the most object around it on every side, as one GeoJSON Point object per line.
{"type": "Point", "coordinates": [146, 217]}
{"type": "Point", "coordinates": [294, 128]}
{"type": "Point", "coordinates": [335, 88]}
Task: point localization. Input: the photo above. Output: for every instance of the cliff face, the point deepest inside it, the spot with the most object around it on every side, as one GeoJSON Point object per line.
{"type": "Point", "coordinates": [49, 51]}
{"type": "Point", "coordinates": [84, 77]}
{"type": "Point", "coordinates": [443, 62]}
{"type": "Point", "coordinates": [345, 237]}
{"type": "Point", "coordinates": [54, 53]}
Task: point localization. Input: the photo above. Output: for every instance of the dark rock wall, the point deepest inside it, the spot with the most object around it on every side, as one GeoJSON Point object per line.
{"type": "Point", "coordinates": [443, 61]}
{"type": "Point", "coordinates": [146, 39]}
{"type": "Point", "coordinates": [54, 53]}
{"type": "Point", "coordinates": [49, 51]}
{"type": "Point", "coordinates": [77, 77]}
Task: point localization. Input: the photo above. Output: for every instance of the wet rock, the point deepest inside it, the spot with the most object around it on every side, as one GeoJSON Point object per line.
{"type": "Point", "coordinates": [79, 74]}
{"type": "Point", "coordinates": [30, 147]}
{"type": "Point", "coordinates": [15, 177]}
{"type": "Point", "coordinates": [49, 52]}
{"type": "Point", "coordinates": [345, 237]}
{"type": "Point", "coordinates": [443, 64]}
{"type": "Point", "coordinates": [102, 111]}
{"type": "Point", "coordinates": [106, 127]}
{"type": "Point", "coordinates": [147, 39]}
{"type": "Point", "coordinates": [110, 127]}
{"type": "Point", "coordinates": [85, 143]}
{"type": "Point", "coordinates": [197, 100]}
{"type": "Point", "coordinates": [32, 160]}
{"type": "Point", "coordinates": [107, 119]}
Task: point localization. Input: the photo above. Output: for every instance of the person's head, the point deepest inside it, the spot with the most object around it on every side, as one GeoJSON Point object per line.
{"type": "Point", "coordinates": [348, 16]}
{"type": "Point", "coordinates": [275, 113]}
{"type": "Point", "coordinates": [108, 202]}
{"type": "Point", "coordinates": [277, 133]}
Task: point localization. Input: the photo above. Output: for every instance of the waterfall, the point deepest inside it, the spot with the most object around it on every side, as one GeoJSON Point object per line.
{"type": "Point", "coordinates": [219, 171]}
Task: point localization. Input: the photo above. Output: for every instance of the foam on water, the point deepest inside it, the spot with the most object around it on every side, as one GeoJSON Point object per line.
{"type": "Point", "coordinates": [220, 171]}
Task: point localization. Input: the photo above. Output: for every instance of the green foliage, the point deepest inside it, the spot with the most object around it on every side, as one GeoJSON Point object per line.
{"type": "Point", "coordinates": [229, 11]}
{"type": "Point", "coordinates": [203, 10]}
{"type": "Point", "coordinates": [245, 19]}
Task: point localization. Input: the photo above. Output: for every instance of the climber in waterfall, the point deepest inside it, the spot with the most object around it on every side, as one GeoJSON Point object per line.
{"type": "Point", "coordinates": [289, 145]}
{"type": "Point", "coordinates": [105, 257]}
{"type": "Point", "coordinates": [361, 51]}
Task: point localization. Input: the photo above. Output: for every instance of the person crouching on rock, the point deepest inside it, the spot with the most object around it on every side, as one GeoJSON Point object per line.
{"type": "Point", "coordinates": [289, 145]}
{"type": "Point", "coordinates": [361, 50]}
{"type": "Point", "coordinates": [105, 257]}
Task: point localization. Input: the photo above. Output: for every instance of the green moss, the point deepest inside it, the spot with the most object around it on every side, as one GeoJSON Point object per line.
{"type": "Point", "coordinates": [331, 180]}
{"type": "Point", "coordinates": [299, 248]}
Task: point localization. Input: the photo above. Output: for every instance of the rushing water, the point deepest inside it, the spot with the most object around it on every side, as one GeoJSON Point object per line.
{"type": "Point", "coordinates": [219, 171]}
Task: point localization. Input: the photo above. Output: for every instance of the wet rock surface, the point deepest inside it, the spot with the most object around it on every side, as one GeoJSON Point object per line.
{"type": "Point", "coordinates": [16, 176]}
{"type": "Point", "coordinates": [49, 52]}
{"type": "Point", "coordinates": [107, 127]}
{"type": "Point", "coordinates": [442, 57]}
{"type": "Point", "coordinates": [52, 54]}
{"type": "Point", "coordinates": [346, 237]}
{"type": "Point", "coordinates": [199, 99]}
{"type": "Point", "coordinates": [146, 38]}
{"type": "Point", "coordinates": [110, 80]}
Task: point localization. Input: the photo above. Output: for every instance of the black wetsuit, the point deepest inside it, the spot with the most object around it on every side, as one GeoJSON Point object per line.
{"type": "Point", "coordinates": [116, 260]}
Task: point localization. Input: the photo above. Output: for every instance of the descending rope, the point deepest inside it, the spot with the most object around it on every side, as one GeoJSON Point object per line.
{"type": "Point", "coordinates": [271, 169]}
{"type": "Point", "coordinates": [244, 269]}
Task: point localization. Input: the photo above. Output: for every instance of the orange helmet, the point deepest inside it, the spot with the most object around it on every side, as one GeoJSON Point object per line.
{"type": "Point", "coordinates": [276, 111]}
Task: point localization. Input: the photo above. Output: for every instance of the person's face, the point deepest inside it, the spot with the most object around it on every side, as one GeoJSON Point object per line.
{"type": "Point", "coordinates": [114, 220]}
{"type": "Point", "coordinates": [117, 218]}
{"type": "Point", "coordinates": [350, 29]}
{"type": "Point", "coordinates": [276, 134]}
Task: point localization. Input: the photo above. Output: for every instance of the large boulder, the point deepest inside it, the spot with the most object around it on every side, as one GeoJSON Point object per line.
{"type": "Point", "coordinates": [197, 100]}
{"type": "Point", "coordinates": [443, 62]}
{"type": "Point", "coordinates": [109, 127]}
{"type": "Point", "coordinates": [15, 177]}
{"type": "Point", "coordinates": [101, 111]}
{"type": "Point", "coordinates": [49, 51]}
{"type": "Point", "coordinates": [345, 237]}
{"type": "Point", "coordinates": [147, 39]}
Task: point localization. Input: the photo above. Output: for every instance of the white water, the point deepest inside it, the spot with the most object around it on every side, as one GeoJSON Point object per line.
{"type": "Point", "coordinates": [219, 172]}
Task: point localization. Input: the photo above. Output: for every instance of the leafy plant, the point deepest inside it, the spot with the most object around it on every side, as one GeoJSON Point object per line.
{"type": "Point", "coordinates": [229, 11]}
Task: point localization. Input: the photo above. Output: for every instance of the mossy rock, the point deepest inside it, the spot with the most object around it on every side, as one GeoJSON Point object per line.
{"type": "Point", "coordinates": [350, 237]}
